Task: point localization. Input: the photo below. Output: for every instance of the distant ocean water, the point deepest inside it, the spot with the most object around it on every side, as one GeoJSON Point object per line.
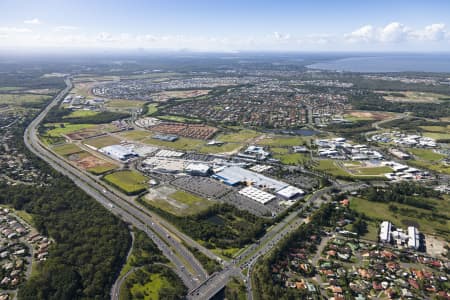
{"type": "Point", "coordinates": [388, 63]}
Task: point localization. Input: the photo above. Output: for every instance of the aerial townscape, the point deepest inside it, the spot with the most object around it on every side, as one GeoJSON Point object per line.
{"type": "Point", "coordinates": [186, 166]}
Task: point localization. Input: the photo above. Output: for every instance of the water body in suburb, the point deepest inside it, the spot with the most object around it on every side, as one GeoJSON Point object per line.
{"type": "Point", "coordinates": [388, 63]}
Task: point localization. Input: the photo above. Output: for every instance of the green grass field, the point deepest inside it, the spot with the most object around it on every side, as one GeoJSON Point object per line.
{"type": "Point", "coordinates": [426, 154]}
{"type": "Point", "coordinates": [102, 141]}
{"type": "Point", "coordinates": [438, 135]}
{"type": "Point", "coordinates": [181, 203]}
{"type": "Point", "coordinates": [180, 144]}
{"type": "Point", "coordinates": [152, 108]}
{"type": "Point", "coordinates": [101, 169]}
{"type": "Point", "coordinates": [329, 166]}
{"type": "Point", "coordinates": [427, 223]}
{"type": "Point", "coordinates": [9, 88]}
{"type": "Point", "coordinates": [81, 114]}
{"type": "Point", "coordinates": [284, 141]}
{"type": "Point", "coordinates": [21, 99]}
{"type": "Point", "coordinates": [373, 171]}
{"type": "Point", "coordinates": [442, 129]}
{"type": "Point", "coordinates": [279, 150]}
{"type": "Point", "coordinates": [242, 136]}
{"type": "Point", "coordinates": [433, 166]}
{"type": "Point", "coordinates": [228, 147]}
{"type": "Point", "coordinates": [292, 158]}
{"type": "Point", "coordinates": [179, 119]}
{"type": "Point", "coordinates": [150, 288]}
{"type": "Point", "coordinates": [123, 104]}
{"type": "Point", "coordinates": [130, 182]}
{"type": "Point", "coordinates": [68, 128]}
{"type": "Point", "coordinates": [136, 135]}
{"type": "Point", "coordinates": [67, 149]}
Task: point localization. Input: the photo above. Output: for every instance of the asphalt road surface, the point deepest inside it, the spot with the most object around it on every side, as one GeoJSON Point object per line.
{"type": "Point", "coordinates": [174, 251]}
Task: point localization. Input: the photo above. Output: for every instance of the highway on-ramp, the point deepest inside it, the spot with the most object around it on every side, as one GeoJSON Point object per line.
{"type": "Point", "coordinates": [186, 266]}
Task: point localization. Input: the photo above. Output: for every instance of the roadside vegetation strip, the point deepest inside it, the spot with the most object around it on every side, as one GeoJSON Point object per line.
{"type": "Point", "coordinates": [130, 182]}
{"type": "Point", "coordinates": [210, 265]}
{"type": "Point", "coordinates": [102, 169]}
{"type": "Point", "coordinates": [152, 282]}
{"type": "Point", "coordinates": [60, 129]}
{"type": "Point", "coordinates": [219, 226]}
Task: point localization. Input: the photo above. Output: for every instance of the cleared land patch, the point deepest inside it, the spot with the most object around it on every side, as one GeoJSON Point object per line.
{"type": "Point", "coordinates": [130, 182]}
{"type": "Point", "coordinates": [283, 141]}
{"type": "Point", "coordinates": [67, 149]}
{"type": "Point", "coordinates": [241, 136]}
{"type": "Point", "coordinates": [21, 99]}
{"type": "Point", "coordinates": [367, 116]}
{"type": "Point", "coordinates": [179, 203]}
{"type": "Point", "coordinates": [417, 97]}
{"type": "Point", "coordinates": [102, 141]}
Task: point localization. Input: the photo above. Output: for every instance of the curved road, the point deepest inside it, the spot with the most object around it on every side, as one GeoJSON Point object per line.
{"type": "Point", "coordinates": [173, 250]}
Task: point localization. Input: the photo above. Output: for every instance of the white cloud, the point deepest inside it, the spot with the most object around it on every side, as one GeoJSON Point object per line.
{"type": "Point", "coordinates": [433, 32]}
{"type": "Point", "coordinates": [394, 32]}
{"type": "Point", "coordinates": [106, 37]}
{"type": "Point", "coordinates": [366, 34]}
{"type": "Point", "coordinates": [65, 28]}
{"type": "Point", "coordinates": [14, 30]}
{"type": "Point", "coordinates": [281, 36]}
{"type": "Point", "coordinates": [34, 21]}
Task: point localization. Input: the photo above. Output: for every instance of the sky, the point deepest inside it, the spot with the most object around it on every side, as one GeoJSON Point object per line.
{"type": "Point", "coordinates": [227, 25]}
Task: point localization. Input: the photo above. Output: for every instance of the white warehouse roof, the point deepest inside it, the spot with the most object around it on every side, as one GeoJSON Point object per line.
{"type": "Point", "coordinates": [385, 231]}
{"type": "Point", "coordinates": [290, 192]}
{"type": "Point", "coordinates": [197, 168]}
{"type": "Point", "coordinates": [118, 152]}
{"type": "Point", "coordinates": [413, 237]}
{"type": "Point", "coordinates": [257, 195]}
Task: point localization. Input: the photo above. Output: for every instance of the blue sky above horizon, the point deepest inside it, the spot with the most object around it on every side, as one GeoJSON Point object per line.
{"type": "Point", "coordinates": [219, 25]}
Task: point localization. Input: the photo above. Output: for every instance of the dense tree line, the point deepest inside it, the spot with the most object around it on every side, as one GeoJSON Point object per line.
{"type": "Point", "coordinates": [365, 100]}
{"type": "Point", "coordinates": [411, 194]}
{"type": "Point", "coordinates": [267, 287]}
{"type": "Point", "coordinates": [90, 244]}
{"type": "Point", "coordinates": [210, 265]}
{"type": "Point", "coordinates": [221, 225]}
{"type": "Point", "coordinates": [176, 290]}
{"type": "Point", "coordinates": [60, 115]}
{"type": "Point", "coordinates": [351, 129]}
{"type": "Point", "coordinates": [412, 124]}
{"type": "Point", "coordinates": [145, 251]}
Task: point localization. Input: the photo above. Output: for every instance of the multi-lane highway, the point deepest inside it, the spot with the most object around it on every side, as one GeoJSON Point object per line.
{"type": "Point", "coordinates": [186, 266]}
{"type": "Point", "coordinates": [161, 232]}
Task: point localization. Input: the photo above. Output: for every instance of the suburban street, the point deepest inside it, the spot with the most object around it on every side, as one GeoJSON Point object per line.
{"type": "Point", "coordinates": [165, 235]}
{"type": "Point", "coordinates": [180, 257]}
